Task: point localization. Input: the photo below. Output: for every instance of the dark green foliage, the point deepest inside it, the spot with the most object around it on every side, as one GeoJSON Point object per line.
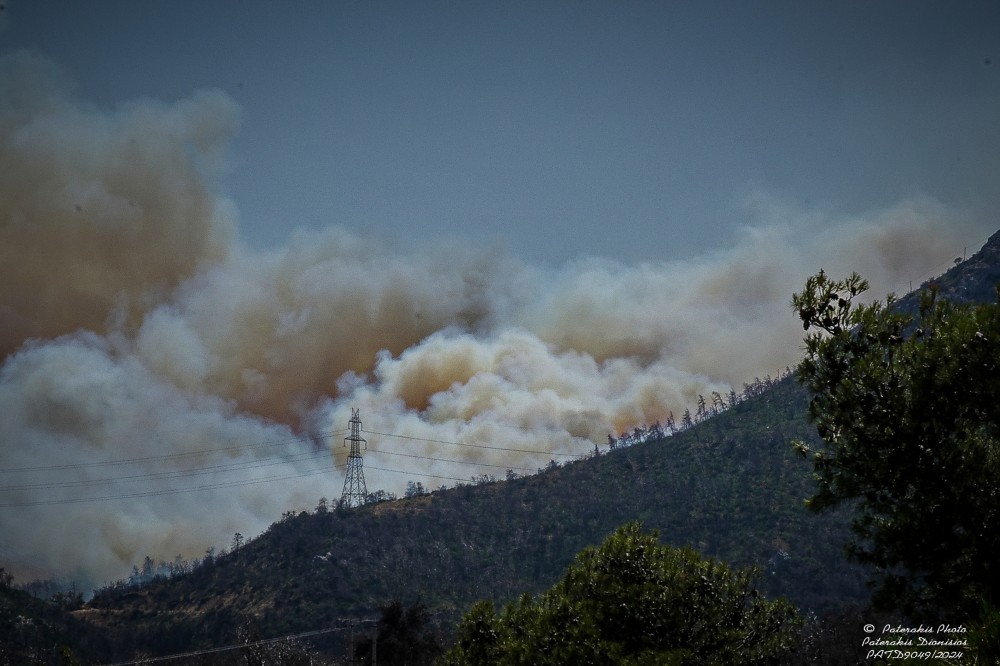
{"type": "Point", "coordinates": [633, 601]}
{"type": "Point", "coordinates": [33, 631]}
{"type": "Point", "coordinates": [984, 636]}
{"type": "Point", "coordinates": [909, 414]}
{"type": "Point", "coordinates": [836, 637]}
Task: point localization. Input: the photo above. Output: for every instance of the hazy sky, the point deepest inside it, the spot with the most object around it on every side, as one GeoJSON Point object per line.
{"type": "Point", "coordinates": [638, 130]}
{"type": "Point", "coordinates": [503, 231]}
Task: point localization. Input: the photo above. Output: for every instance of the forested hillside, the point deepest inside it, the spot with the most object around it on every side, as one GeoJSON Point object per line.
{"type": "Point", "coordinates": [730, 485]}
{"type": "Point", "coordinates": [36, 631]}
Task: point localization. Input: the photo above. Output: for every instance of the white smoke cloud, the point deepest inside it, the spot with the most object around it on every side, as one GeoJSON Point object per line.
{"type": "Point", "coordinates": [137, 327]}
{"type": "Point", "coordinates": [73, 403]}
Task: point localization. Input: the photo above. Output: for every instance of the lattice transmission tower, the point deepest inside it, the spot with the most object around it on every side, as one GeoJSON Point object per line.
{"type": "Point", "coordinates": [355, 492]}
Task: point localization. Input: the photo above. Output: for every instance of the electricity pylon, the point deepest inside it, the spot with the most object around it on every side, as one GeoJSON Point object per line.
{"type": "Point", "coordinates": [355, 493]}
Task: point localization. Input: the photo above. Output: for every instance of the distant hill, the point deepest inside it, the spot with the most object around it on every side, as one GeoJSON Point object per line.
{"type": "Point", "coordinates": [731, 486]}
{"type": "Point", "coordinates": [974, 280]}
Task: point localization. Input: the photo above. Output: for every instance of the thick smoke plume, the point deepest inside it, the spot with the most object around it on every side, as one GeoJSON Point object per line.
{"type": "Point", "coordinates": [164, 386]}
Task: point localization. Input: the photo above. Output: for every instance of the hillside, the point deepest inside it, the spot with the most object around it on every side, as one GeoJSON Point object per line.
{"type": "Point", "coordinates": [36, 631]}
{"type": "Point", "coordinates": [731, 486]}
{"type": "Point", "coordinates": [976, 279]}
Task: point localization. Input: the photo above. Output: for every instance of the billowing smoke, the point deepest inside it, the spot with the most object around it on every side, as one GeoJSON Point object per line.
{"type": "Point", "coordinates": [101, 211]}
{"type": "Point", "coordinates": [164, 386]}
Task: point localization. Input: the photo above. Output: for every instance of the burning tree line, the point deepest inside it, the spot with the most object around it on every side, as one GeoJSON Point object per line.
{"type": "Point", "coordinates": [704, 410]}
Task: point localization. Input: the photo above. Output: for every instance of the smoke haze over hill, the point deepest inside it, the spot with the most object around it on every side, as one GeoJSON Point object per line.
{"type": "Point", "coordinates": [139, 331]}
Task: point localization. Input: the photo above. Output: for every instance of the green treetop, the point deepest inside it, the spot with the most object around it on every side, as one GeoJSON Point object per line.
{"type": "Point", "coordinates": [633, 601]}
{"type": "Point", "coordinates": [908, 409]}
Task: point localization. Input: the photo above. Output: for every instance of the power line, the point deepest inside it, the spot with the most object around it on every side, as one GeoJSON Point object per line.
{"type": "Point", "coordinates": [431, 476]}
{"type": "Point", "coordinates": [168, 456]}
{"type": "Point", "coordinates": [268, 443]}
{"type": "Point", "coordinates": [226, 648]}
{"type": "Point", "coordinates": [449, 460]}
{"type": "Point", "coordinates": [167, 491]}
{"type": "Point", "coordinates": [229, 467]}
{"type": "Point", "coordinates": [172, 474]}
{"type": "Point", "coordinates": [474, 446]}
{"type": "Point", "coordinates": [442, 441]}
{"type": "Point", "coordinates": [216, 486]}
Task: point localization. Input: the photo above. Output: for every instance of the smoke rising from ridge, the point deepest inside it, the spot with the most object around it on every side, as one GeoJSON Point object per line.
{"type": "Point", "coordinates": [136, 326]}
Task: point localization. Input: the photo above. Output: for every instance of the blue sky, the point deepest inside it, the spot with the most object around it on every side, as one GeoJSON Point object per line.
{"type": "Point", "coordinates": [639, 130]}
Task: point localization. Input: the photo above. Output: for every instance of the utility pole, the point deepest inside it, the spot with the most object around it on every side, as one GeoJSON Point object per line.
{"type": "Point", "coordinates": [355, 492]}
{"type": "Point", "coordinates": [350, 657]}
